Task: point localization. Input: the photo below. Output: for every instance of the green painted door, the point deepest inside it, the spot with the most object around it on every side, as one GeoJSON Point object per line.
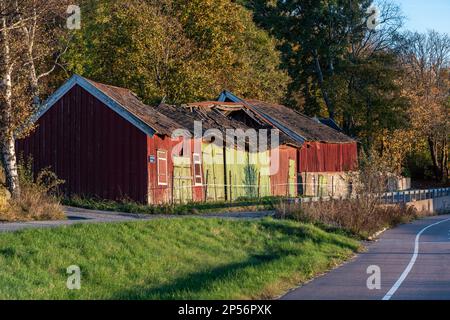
{"type": "Point", "coordinates": [236, 162]}
{"type": "Point", "coordinates": [323, 186]}
{"type": "Point", "coordinates": [213, 170]}
{"type": "Point", "coordinates": [182, 180]}
{"type": "Point", "coordinates": [292, 186]}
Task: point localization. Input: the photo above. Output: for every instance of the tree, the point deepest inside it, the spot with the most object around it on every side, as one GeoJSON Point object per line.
{"type": "Point", "coordinates": [27, 28]}
{"type": "Point", "coordinates": [177, 50]}
{"type": "Point", "coordinates": [340, 67]}
{"type": "Point", "coordinates": [426, 58]}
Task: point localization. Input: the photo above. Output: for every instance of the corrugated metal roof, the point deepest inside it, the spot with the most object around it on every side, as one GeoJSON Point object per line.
{"type": "Point", "coordinates": [331, 123]}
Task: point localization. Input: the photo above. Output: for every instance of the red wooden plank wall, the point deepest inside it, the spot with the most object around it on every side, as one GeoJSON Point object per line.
{"type": "Point", "coordinates": [92, 148]}
{"type": "Point", "coordinates": [328, 157]}
{"type": "Point", "coordinates": [159, 194]}
{"type": "Point", "coordinates": [280, 180]}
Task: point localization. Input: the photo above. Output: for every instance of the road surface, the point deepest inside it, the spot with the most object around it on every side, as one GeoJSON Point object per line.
{"type": "Point", "coordinates": [77, 216]}
{"type": "Point", "coordinates": [413, 261]}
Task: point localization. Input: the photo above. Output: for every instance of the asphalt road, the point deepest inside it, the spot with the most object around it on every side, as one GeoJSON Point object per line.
{"type": "Point", "coordinates": [77, 216]}
{"type": "Point", "coordinates": [413, 261]}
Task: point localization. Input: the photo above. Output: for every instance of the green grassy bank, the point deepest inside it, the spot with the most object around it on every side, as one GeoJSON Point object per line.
{"type": "Point", "coordinates": [185, 258]}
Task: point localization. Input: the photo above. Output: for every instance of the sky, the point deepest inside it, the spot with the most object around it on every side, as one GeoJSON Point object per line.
{"type": "Point", "coordinates": [422, 15]}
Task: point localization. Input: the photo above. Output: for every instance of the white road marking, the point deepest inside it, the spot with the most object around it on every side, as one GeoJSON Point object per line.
{"type": "Point", "coordinates": [408, 269]}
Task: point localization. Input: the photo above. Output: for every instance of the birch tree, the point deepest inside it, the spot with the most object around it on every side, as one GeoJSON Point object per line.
{"type": "Point", "coordinates": [30, 35]}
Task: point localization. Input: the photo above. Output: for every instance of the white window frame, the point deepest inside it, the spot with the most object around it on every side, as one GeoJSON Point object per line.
{"type": "Point", "coordinates": [160, 158]}
{"type": "Point", "coordinates": [197, 174]}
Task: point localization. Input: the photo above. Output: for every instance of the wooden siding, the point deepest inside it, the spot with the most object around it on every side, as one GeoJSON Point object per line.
{"type": "Point", "coordinates": [328, 157]}
{"type": "Point", "coordinates": [157, 193]}
{"type": "Point", "coordinates": [284, 180]}
{"type": "Point", "coordinates": [213, 171]}
{"type": "Point", "coordinates": [96, 151]}
{"type": "Point", "coordinates": [247, 174]}
{"type": "Point", "coordinates": [179, 175]}
{"type": "Point", "coordinates": [182, 180]}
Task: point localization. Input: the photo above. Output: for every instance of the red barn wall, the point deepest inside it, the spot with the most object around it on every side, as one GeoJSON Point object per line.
{"type": "Point", "coordinates": [160, 194]}
{"type": "Point", "coordinates": [91, 147]}
{"type": "Point", "coordinates": [280, 180]}
{"type": "Point", "coordinates": [328, 157]}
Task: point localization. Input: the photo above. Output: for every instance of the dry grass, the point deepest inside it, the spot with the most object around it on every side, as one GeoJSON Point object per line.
{"type": "Point", "coordinates": [363, 214]}
{"type": "Point", "coordinates": [2, 177]}
{"type": "Point", "coordinates": [33, 205]}
{"type": "Point", "coordinates": [37, 200]}
{"type": "Point", "coordinates": [352, 215]}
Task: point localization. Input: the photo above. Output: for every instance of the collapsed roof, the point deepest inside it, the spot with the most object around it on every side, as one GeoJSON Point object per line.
{"type": "Point", "coordinates": [230, 112]}
{"type": "Point", "coordinates": [215, 115]}
{"type": "Point", "coordinates": [296, 125]}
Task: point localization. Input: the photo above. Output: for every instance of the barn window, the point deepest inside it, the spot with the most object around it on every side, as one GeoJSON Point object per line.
{"type": "Point", "coordinates": [162, 168]}
{"type": "Point", "coordinates": [197, 169]}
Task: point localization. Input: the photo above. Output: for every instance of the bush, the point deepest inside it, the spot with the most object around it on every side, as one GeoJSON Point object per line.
{"type": "Point", "coordinates": [351, 215]}
{"type": "Point", "coordinates": [363, 213]}
{"type": "Point", "coordinates": [38, 199]}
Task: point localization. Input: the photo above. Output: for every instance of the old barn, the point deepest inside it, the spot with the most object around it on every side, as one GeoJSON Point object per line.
{"type": "Point", "coordinates": [104, 142]}
{"type": "Point", "coordinates": [325, 156]}
{"type": "Point", "coordinates": [270, 171]}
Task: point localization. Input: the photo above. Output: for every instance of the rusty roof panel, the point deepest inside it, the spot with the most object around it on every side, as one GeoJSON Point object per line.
{"type": "Point", "coordinates": [212, 118]}
{"type": "Point", "coordinates": [129, 101]}
{"type": "Point", "coordinates": [289, 120]}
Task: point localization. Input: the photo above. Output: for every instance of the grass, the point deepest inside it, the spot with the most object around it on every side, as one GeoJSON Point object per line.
{"type": "Point", "coordinates": [184, 258]}
{"type": "Point", "coordinates": [178, 209]}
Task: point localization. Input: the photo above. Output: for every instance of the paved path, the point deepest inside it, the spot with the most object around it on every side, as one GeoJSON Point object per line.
{"type": "Point", "coordinates": [414, 261]}
{"type": "Point", "coordinates": [77, 215]}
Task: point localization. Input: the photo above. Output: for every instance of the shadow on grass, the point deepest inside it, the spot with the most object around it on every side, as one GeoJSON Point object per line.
{"type": "Point", "coordinates": [198, 284]}
{"type": "Point", "coordinates": [191, 285]}
{"type": "Point", "coordinates": [301, 233]}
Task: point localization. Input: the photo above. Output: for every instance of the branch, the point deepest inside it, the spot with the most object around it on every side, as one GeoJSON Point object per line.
{"type": "Point", "coordinates": [56, 63]}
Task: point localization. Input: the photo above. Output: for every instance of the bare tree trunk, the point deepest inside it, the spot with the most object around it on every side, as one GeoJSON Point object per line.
{"type": "Point", "coordinates": [9, 161]}
{"type": "Point", "coordinates": [434, 152]}
{"type": "Point", "coordinates": [34, 84]}
{"type": "Point", "coordinates": [444, 160]}
{"type": "Point", "coordinates": [7, 143]}
{"type": "Point", "coordinates": [324, 91]}
{"type": "Point", "coordinates": [30, 33]}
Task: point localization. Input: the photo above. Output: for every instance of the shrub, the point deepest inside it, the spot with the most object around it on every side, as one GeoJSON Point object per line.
{"type": "Point", "coordinates": [363, 213]}
{"type": "Point", "coordinates": [38, 199]}
{"type": "Point", "coordinates": [352, 215]}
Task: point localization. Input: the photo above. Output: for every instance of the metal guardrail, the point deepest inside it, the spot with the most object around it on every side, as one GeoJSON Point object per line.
{"type": "Point", "coordinates": [389, 197]}
{"type": "Point", "coordinates": [414, 195]}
